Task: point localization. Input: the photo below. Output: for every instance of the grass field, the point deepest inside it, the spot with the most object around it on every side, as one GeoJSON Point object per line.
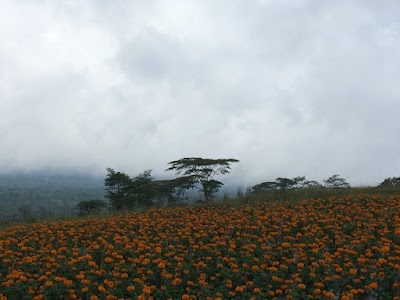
{"type": "Point", "coordinates": [345, 247]}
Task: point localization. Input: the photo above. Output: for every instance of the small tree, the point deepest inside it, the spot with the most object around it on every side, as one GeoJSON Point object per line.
{"type": "Point", "coordinates": [203, 172]}
{"type": "Point", "coordinates": [298, 181]}
{"type": "Point", "coordinates": [239, 192]}
{"type": "Point", "coordinates": [390, 182]}
{"type": "Point", "coordinates": [117, 187]}
{"type": "Point", "coordinates": [284, 184]}
{"type": "Point", "coordinates": [336, 182]}
{"type": "Point", "coordinates": [142, 190]}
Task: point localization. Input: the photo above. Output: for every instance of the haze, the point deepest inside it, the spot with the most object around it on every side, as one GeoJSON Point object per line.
{"type": "Point", "coordinates": [289, 88]}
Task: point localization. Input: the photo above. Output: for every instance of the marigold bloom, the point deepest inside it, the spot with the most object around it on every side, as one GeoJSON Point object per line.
{"type": "Point", "coordinates": [353, 271]}
{"type": "Point", "coordinates": [330, 295]}
{"type": "Point", "coordinates": [301, 286]}
{"type": "Point", "coordinates": [161, 265]}
{"type": "Point", "coordinates": [239, 289]}
{"type": "Point", "coordinates": [373, 285]}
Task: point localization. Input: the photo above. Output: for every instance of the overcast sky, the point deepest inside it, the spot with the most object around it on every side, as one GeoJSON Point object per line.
{"type": "Point", "coordinates": [288, 87]}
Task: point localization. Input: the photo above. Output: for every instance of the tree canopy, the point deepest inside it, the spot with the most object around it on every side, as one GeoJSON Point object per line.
{"type": "Point", "coordinates": [203, 171]}
{"type": "Point", "coordinates": [117, 186]}
{"type": "Point", "coordinates": [336, 182]}
{"type": "Point", "coordinates": [390, 182]}
{"type": "Point", "coordinates": [282, 184]}
{"type": "Point", "coordinates": [143, 190]}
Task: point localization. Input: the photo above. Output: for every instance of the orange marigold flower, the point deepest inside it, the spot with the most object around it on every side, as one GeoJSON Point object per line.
{"type": "Point", "coordinates": [130, 288]}
{"type": "Point", "coordinates": [161, 265]}
{"type": "Point", "coordinates": [146, 291]}
{"type": "Point", "coordinates": [301, 286]}
{"type": "Point", "coordinates": [48, 283]}
{"type": "Point", "coordinates": [176, 281]}
{"type": "Point", "coordinates": [382, 261]}
{"type": "Point", "coordinates": [239, 289]}
{"type": "Point", "coordinates": [353, 271]}
{"type": "Point", "coordinates": [373, 285]}
{"type": "Point", "coordinates": [330, 295]}
{"type": "Point", "coordinates": [354, 291]}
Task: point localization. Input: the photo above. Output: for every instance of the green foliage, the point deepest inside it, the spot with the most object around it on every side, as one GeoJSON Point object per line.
{"type": "Point", "coordinates": [127, 193]}
{"type": "Point", "coordinates": [390, 182]}
{"type": "Point", "coordinates": [117, 187]}
{"type": "Point", "coordinates": [311, 184]}
{"type": "Point", "coordinates": [282, 185]}
{"type": "Point", "coordinates": [336, 182]}
{"type": "Point", "coordinates": [239, 192]}
{"type": "Point", "coordinates": [141, 190]}
{"type": "Point", "coordinates": [263, 187]}
{"type": "Point", "coordinates": [173, 191]}
{"type": "Point", "coordinates": [203, 172]}
{"type": "Point", "coordinates": [90, 206]}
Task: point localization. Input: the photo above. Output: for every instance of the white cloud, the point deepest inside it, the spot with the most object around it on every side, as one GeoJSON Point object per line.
{"type": "Point", "coordinates": [289, 88]}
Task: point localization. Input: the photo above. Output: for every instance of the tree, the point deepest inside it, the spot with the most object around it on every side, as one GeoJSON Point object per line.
{"type": "Point", "coordinates": [264, 187]}
{"type": "Point", "coordinates": [117, 187]}
{"type": "Point", "coordinates": [311, 184]}
{"type": "Point", "coordinates": [282, 184]}
{"type": "Point", "coordinates": [142, 190]}
{"type": "Point", "coordinates": [336, 182]}
{"type": "Point", "coordinates": [285, 183]}
{"type": "Point", "coordinates": [390, 182]}
{"type": "Point", "coordinates": [299, 181]}
{"type": "Point", "coordinates": [202, 172]}
{"type": "Point", "coordinates": [173, 191]}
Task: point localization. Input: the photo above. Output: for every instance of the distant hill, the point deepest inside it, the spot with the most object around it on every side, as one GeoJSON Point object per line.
{"type": "Point", "coordinates": [46, 195]}
{"type": "Point", "coordinates": [43, 179]}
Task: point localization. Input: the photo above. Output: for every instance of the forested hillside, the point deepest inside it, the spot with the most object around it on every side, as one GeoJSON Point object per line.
{"type": "Point", "coordinates": [26, 196]}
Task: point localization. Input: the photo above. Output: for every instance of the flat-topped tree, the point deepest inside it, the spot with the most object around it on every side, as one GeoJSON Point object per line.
{"type": "Point", "coordinates": [336, 182]}
{"type": "Point", "coordinates": [203, 171]}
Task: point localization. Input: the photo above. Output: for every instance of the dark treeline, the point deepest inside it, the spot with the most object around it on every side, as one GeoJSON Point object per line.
{"type": "Point", "coordinates": [124, 192]}
{"type": "Point", "coordinates": [36, 197]}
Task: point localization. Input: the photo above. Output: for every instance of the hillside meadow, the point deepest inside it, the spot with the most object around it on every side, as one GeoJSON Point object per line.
{"type": "Point", "coordinates": [345, 247]}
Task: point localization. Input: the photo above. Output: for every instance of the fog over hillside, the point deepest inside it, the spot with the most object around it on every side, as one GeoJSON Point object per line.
{"type": "Point", "coordinates": [290, 88]}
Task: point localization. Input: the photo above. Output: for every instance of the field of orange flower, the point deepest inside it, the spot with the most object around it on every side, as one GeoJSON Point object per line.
{"type": "Point", "coordinates": [347, 248]}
